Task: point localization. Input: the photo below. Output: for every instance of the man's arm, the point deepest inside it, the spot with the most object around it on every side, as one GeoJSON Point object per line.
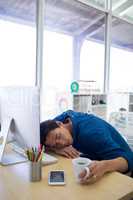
{"type": "Point", "coordinates": [106, 148]}
{"type": "Point", "coordinates": [111, 155]}
{"type": "Point", "coordinates": [119, 164]}
{"type": "Point", "coordinates": [68, 152]}
{"type": "Point", "coordinates": [99, 168]}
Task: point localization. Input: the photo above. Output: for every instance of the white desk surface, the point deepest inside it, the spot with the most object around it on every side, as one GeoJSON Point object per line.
{"type": "Point", "coordinates": [15, 185]}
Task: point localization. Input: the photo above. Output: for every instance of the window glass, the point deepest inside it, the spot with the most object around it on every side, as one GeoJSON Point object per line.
{"type": "Point", "coordinates": [57, 74]}
{"type": "Point", "coordinates": [123, 9]}
{"type": "Point", "coordinates": [17, 52]}
{"type": "Point", "coordinates": [121, 61]}
{"type": "Point", "coordinates": [121, 70]}
{"type": "Point", "coordinates": [100, 3]}
{"type": "Point", "coordinates": [92, 63]}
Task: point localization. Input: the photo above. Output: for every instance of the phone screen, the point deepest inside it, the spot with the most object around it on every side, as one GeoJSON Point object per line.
{"type": "Point", "coordinates": [57, 177]}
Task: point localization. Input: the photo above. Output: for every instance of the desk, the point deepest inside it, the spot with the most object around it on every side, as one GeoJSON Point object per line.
{"type": "Point", "coordinates": [15, 185]}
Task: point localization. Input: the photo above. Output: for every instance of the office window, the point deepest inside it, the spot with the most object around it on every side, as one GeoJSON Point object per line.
{"type": "Point", "coordinates": [17, 43]}
{"type": "Point", "coordinates": [121, 62]}
{"type": "Point", "coordinates": [92, 63]}
{"type": "Point", "coordinates": [121, 70]}
{"type": "Point", "coordinates": [17, 53]}
{"type": "Point", "coordinates": [57, 73]}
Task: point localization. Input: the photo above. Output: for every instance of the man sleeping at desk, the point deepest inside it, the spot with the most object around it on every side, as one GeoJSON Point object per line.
{"type": "Point", "coordinates": [73, 132]}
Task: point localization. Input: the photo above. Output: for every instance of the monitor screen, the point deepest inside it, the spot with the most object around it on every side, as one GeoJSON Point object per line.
{"type": "Point", "coordinates": [22, 105]}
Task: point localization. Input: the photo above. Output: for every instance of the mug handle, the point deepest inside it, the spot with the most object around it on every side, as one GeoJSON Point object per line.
{"type": "Point", "coordinates": [87, 172]}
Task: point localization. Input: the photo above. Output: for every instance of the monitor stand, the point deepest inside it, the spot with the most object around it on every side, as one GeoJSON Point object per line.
{"type": "Point", "coordinates": [11, 155]}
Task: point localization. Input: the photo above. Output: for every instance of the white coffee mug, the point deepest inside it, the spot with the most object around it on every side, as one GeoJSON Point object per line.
{"type": "Point", "coordinates": [80, 164]}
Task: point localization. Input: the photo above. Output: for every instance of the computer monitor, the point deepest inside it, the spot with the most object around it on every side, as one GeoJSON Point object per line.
{"type": "Point", "coordinates": [20, 121]}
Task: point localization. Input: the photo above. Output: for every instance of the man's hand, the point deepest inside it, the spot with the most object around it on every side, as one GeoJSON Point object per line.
{"type": "Point", "coordinates": [68, 152]}
{"type": "Point", "coordinates": [97, 170]}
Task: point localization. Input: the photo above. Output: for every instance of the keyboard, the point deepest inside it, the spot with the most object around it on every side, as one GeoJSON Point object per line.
{"type": "Point", "coordinates": [48, 159]}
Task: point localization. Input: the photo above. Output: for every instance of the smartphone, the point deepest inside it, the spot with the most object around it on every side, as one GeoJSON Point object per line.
{"type": "Point", "coordinates": [56, 177]}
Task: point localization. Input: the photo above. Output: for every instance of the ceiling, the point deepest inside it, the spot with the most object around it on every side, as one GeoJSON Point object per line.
{"type": "Point", "coordinates": [67, 16]}
{"type": "Point", "coordinates": [71, 17]}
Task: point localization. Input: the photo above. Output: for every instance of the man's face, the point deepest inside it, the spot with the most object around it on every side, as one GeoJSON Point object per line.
{"type": "Point", "coordinates": [59, 138]}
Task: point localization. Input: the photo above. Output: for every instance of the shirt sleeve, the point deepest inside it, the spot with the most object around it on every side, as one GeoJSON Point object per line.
{"type": "Point", "coordinates": [106, 148]}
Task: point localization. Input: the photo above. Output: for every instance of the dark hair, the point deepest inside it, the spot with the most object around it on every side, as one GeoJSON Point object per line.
{"type": "Point", "coordinates": [45, 128]}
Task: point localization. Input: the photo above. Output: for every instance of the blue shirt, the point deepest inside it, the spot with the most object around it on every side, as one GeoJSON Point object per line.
{"type": "Point", "coordinates": [97, 138]}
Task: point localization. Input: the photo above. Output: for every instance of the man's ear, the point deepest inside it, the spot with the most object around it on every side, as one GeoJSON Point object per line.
{"type": "Point", "coordinates": [67, 121]}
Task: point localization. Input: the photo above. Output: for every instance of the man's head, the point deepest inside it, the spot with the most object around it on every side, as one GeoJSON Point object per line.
{"type": "Point", "coordinates": [55, 134]}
